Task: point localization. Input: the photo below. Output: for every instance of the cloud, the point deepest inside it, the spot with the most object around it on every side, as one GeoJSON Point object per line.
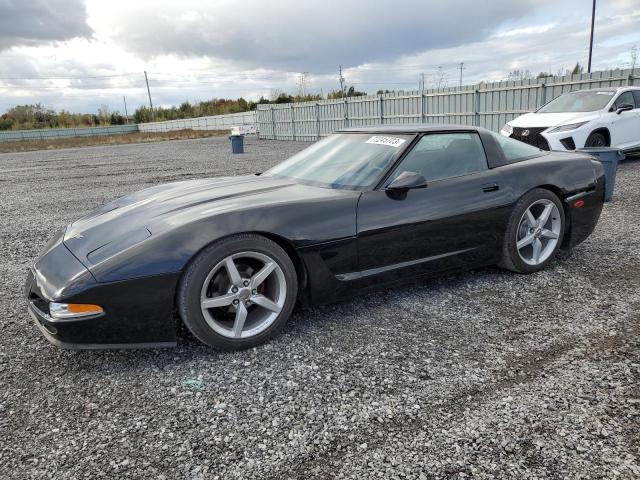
{"type": "Point", "coordinates": [33, 22]}
{"type": "Point", "coordinates": [295, 35]}
{"type": "Point", "coordinates": [196, 51]}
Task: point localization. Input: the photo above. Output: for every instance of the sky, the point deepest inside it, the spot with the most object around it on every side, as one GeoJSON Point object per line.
{"type": "Point", "coordinates": [78, 55]}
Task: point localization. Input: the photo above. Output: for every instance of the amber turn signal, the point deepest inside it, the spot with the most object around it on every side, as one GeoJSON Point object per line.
{"type": "Point", "coordinates": [66, 311]}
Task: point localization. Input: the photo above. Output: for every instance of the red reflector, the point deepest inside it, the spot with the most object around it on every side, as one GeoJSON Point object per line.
{"type": "Point", "coordinates": [579, 203]}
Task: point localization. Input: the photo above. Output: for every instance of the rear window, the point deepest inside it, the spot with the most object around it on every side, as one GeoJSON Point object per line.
{"type": "Point", "coordinates": [515, 150]}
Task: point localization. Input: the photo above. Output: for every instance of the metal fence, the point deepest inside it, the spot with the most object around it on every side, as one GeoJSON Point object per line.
{"type": "Point", "coordinates": [49, 133]}
{"type": "Point", "coordinates": [488, 105]}
{"type": "Point", "coordinates": [217, 122]}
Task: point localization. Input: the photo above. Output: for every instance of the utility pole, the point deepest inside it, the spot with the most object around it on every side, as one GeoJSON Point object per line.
{"type": "Point", "coordinates": [126, 114]}
{"type": "Point", "coordinates": [302, 84]}
{"type": "Point", "coordinates": [341, 78]}
{"type": "Point", "coordinates": [593, 21]}
{"type": "Point", "coordinates": [421, 81]}
{"type": "Point", "coordinates": [440, 77]}
{"type": "Point", "coordinates": [462, 67]}
{"type": "Point", "coordinates": [146, 79]}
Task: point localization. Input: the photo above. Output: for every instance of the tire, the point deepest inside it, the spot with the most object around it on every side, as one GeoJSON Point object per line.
{"type": "Point", "coordinates": [234, 315]}
{"type": "Point", "coordinates": [596, 139]}
{"type": "Point", "coordinates": [533, 238]}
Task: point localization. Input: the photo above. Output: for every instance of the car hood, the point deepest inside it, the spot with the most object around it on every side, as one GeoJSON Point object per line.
{"type": "Point", "coordinates": [538, 120]}
{"type": "Point", "coordinates": [131, 219]}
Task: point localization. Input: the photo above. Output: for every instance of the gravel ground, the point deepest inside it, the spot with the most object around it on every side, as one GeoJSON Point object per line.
{"type": "Point", "coordinates": [485, 374]}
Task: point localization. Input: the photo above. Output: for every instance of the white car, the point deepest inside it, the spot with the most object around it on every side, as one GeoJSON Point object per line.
{"type": "Point", "coordinates": [600, 117]}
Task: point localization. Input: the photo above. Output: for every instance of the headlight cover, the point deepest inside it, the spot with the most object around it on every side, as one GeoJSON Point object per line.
{"type": "Point", "coordinates": [71, 311]}
{"type": "Point", "coordinates": [566, 128]}
{"type": "Point", "coordinates": [507, 129]}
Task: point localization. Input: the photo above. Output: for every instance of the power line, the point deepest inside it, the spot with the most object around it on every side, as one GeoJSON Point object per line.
{"type": "Point", "coordinates": [67, 78]}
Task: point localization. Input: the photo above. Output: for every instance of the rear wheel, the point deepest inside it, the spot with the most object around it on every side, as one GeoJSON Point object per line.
{"type": "Point", "coordinates": [596, 139]}
{"type": "Point", "coordinates": [534, 233]}
{"type": "Point", "coordinates": [238, 292]}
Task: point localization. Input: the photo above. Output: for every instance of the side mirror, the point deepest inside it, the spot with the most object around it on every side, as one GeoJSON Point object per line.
{"type": "Point", "coordinates": [625, 107]}
{"type": "Point", "coordinates": [407, 181]}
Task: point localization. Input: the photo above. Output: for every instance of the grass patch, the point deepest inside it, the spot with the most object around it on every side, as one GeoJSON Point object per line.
{"type": "Point", "coordinates": [139, 137]}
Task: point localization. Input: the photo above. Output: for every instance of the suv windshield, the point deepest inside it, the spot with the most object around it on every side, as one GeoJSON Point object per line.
{"type": "Point", "coordinates": [578, 102]}
{"type": "Point", "coordinates": [343, 160]}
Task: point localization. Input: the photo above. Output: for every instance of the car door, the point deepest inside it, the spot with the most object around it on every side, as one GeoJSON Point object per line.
{"type": "Point", "coordinates": [636, 138]}
{"type": "Point", "coordinates": [458, 219]}
{"type": "Point", "coordinates": [624, 126]}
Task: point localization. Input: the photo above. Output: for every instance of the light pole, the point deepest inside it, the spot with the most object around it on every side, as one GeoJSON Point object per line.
{"type": "Point", "coordinates": [593, 20]}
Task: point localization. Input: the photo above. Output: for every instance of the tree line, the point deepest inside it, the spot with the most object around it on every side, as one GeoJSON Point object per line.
{"type": "Point", "coordinates": [27, 117]}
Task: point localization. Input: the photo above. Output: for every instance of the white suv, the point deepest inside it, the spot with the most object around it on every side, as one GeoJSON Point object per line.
{"type": "Point", "coordinates": [598, 117]}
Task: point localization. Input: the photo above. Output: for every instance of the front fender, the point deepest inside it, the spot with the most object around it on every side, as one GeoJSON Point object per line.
{"type": "Point", "coordinates": [176, 239]}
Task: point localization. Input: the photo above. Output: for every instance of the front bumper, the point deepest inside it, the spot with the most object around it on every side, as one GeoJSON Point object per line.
{"type": "Point", "coordinates": [137, 313]}
{"type": "Point", "coordinates": [559, 141]}
{"type": "Point", "coordinates": [97, 332]}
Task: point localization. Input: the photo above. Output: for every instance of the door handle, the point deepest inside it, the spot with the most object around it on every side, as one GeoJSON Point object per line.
{"type": "Point", "coordinates": [490, 187]}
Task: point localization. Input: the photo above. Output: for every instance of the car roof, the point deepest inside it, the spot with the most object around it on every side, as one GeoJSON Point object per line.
{"type": "Point", "coordinates": [607, 89]}
{"type": "Point", "coordinates": [411, 128]}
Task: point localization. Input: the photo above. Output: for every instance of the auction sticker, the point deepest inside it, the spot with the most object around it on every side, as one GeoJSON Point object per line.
{"type": "Point", "coordinates": [384, 140]}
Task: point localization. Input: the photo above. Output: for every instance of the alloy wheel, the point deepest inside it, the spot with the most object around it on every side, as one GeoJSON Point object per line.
{"type": "Point", "coordinates": [538, 232]}
{"type": "Point", "coordinates": [243, 294]}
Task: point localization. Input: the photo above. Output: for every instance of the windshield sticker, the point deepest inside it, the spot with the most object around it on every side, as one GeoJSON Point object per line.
{"type": "Point", "coordinates": [384, 140]}
{"type": "Point", "coordinates": [605, 93]}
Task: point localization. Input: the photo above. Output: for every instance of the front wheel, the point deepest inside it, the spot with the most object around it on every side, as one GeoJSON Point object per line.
{"type": "Point", "coordinates": [596, 139]}
{"type": "Point", "coordinates": [534, 232]}
{"type": "Point", "coordinates": [238, 292]}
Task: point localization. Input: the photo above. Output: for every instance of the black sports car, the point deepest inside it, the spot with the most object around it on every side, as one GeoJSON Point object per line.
{"type": "Point", "coordinates": [366, 207]}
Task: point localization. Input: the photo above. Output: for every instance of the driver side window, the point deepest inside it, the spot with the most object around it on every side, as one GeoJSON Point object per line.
{"type": "Point", "coordinates": [444, 155]}
{"type": "Point", "coordinates": [625, 97]}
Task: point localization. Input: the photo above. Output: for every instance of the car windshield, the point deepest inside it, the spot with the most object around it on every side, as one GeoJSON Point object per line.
{"type": "Point", "coordinates": [343, 160]}
{"type": "Point", "coordinates": [578, 102]}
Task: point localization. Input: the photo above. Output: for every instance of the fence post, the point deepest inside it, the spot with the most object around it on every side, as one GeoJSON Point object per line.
{"type": "Point", "coordinates": [381, 109]}
{"type": "Point", "coordinates": [293, 124]}
{"type": "Point", "coordinates": [273, 123]}
{"type": "Point", "coordinates": [346, 113]}
{"type": "Point", "coordinates": [476, 101]}
{"type": "Point", "coordinates": [317, 121]}
{"type": "Point", "coordinates": [423, 107]}
{"type": "Point", "coordinates": [543, 94]}
{"type": "Point", "coordinates": [631, 78]}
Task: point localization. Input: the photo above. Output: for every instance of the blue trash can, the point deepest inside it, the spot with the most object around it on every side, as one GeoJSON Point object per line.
{"type": "Point", "coordinates": [609, 158]}
{"type": "Point", "coordinates": [237, 143]}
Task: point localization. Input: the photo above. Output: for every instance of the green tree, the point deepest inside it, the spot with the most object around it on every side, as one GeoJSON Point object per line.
{"type": "Point", "coordinates": [577, 70]}
{"type": "Point", "coordinates": [351, 92]}
{"type": "Point", "coordinates": [5, 123]}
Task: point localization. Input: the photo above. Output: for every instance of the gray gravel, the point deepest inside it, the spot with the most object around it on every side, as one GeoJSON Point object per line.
{"type": "Point", "coordinates": [486, 374]}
